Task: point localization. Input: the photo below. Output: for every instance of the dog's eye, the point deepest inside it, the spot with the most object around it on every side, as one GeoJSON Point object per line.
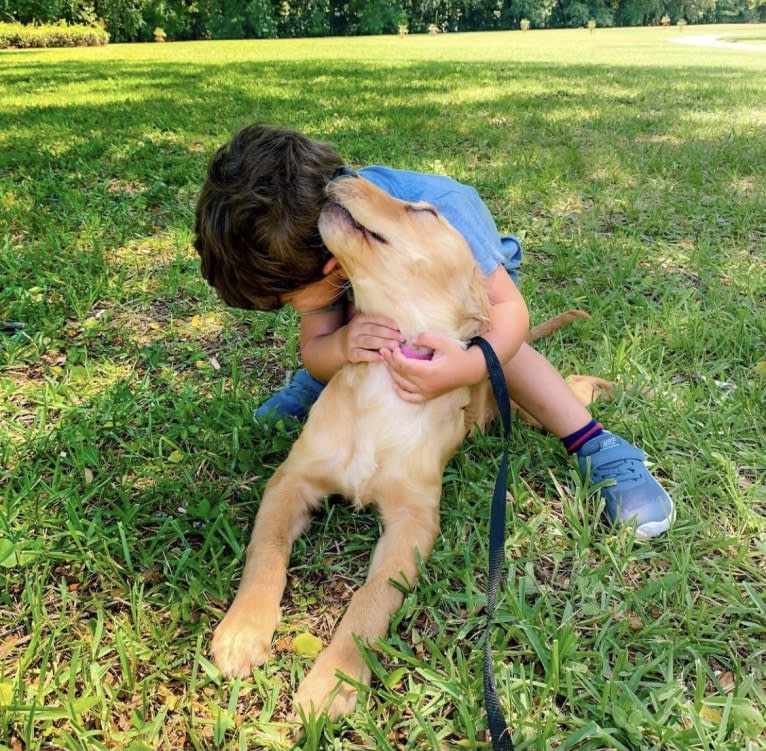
{"type": "Point", "coordinates": [376, 236]}
{"type": "Point", "coordinates": [424, 209]}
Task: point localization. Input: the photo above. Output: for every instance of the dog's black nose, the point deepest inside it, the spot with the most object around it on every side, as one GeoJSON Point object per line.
{"type": "Point", "coordinates": [344, 172]}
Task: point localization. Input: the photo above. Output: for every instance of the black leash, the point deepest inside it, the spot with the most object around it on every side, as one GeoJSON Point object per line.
{"type": "Point", "coordinates": [11, 327]}
{"type": "Point", "coordinates": [498, 729]}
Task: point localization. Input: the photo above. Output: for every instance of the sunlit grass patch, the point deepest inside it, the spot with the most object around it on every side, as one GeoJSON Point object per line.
{"type": "Point", "coordinates": [130, 470]}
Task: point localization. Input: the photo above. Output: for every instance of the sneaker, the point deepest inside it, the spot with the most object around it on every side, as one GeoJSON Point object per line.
{"type": "Point", "coordinates": [634, 497]}
{"type": "Point", "coordinates": [293, 401]}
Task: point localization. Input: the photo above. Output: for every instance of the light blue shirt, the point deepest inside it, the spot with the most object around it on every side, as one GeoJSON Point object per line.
{"type": "Point", "coordinates": [463, 208]}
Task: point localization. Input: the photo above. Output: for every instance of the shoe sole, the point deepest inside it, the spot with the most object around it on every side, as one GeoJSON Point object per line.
{"type": "Point", "coordinates": [652, 529]}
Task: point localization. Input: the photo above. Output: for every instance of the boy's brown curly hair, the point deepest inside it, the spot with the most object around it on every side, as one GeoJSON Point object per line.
{"type": "Point", "coordinates": [256, 219]}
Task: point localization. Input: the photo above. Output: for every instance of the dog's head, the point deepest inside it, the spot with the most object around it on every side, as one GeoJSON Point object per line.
{"type": "Point", "coordinates": [404, 260]}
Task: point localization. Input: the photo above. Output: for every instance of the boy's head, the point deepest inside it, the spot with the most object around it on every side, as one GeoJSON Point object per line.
{"type": "Point", "coordinates": [256, 221]}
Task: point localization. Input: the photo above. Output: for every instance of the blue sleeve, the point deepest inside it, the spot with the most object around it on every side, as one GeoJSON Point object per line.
{"type": "Point", "coordinates": [469, 215]}
{"type": "Point", "coordinates": [463, 208]}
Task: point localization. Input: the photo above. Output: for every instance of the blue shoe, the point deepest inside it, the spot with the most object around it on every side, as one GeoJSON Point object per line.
{"type": "Point", "coordinates": [293, 401]}
{"type": "Point", "coordinates": [634, 497]}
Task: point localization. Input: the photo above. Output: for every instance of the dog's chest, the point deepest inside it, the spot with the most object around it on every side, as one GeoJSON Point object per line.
{"type": "Point", "coordinates": [384, 438]}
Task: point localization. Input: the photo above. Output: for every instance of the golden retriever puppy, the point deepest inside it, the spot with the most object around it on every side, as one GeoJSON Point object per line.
{"type": "Point", "coordinates": [405, 261]}
{"type": "Point", "coordinates": [361, 441]}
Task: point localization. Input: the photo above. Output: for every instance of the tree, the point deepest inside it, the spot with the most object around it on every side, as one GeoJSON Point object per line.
{"type": "Point", "coordinates": [260, 20]}
{"type": "Point", "coordinates": [132, 20]}
{"type": "Point", "coordinates": [372, 16]}
{"type": "Point", "coordinates": [537, 13]}
{"type": "Point", "coordinates": [691, 10]}
{"type": "Point", "coordinates": [177, 18]}
{"type": "Point", "coordinates": [28, 11]}
{"type": "Point", "coordinates": [123, 19]}
{"type": "Point", "coordinates": [639, 12]}
{"type": "Point", "coordinates": [579, 12]}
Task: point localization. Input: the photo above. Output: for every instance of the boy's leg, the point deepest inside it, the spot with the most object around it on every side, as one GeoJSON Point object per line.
{"type": "Point", "coordinates": [635, 495]}
{"type": "Point", "coordinates": [539, 388]}
{"type": "Point", "coordinates": [293, 401]}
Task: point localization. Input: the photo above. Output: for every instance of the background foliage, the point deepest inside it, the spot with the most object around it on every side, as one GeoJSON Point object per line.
{"type": "Point", "coordinates": [132, 20]}
{"type": "Point", "coordinates": [130, 468]}
{"type": "Point", "coordinates": [59, 34]}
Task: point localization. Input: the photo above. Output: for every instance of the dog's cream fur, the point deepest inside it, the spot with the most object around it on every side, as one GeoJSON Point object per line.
{"type": "Point", "coordinates": [405, 261]}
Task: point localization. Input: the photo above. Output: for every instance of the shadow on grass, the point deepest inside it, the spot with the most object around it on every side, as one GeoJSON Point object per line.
{"type": "Point", "coordinates": [119, 149]}
{"type": "Point", "coordinates": [640, 201]}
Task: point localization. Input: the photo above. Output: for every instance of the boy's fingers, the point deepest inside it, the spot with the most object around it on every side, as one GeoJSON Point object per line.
{"type": "Point", "coordinates": [370, 341]}
{"type": "Point", "coordinates": [403, 368]}
{"type": "Point", "coordinates": [386, 324]}
{"type": "Point", "coordinates": [434, 341]}
{"type": "Point", "coordinates": [360, 354]}
{"type": "Point", "coordinates": [408, 396]}
{"type": "Point", "coordinates": [409, 366]}
{"type": "Point", "coordinates": [403, 382]}
{"type": "Point", "coordinates": [383, 332]}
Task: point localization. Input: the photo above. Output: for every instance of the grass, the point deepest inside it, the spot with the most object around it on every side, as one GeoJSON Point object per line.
{"type": "Point", "coordinates": [633, 168]}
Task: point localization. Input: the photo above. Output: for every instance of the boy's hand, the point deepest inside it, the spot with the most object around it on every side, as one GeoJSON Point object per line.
{"type": "Point", "coordinates": [366, 337]}
{"type": "Point", "coordinates": [451, 366]}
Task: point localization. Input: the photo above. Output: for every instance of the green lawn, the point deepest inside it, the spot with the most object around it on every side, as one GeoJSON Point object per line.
{"type": "Point", "coordinates": [635, 171]}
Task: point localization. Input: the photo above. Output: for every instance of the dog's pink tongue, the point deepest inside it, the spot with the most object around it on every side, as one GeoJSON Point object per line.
{"type": "Point", "coordinates": [416, 353]}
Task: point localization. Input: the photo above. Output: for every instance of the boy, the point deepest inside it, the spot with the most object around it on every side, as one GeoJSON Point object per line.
{"type": "Point", "coordinates": [257, 237]}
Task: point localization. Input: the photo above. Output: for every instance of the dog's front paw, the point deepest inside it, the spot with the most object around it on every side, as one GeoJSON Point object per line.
{"type": "Point", "coordinates": [322, 692]}
{"type": "Point", "coordinates": [240, 643]}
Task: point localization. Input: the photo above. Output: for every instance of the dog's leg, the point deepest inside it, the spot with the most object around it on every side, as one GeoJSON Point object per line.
{"type": "Point", "coordinates": [243, 639]}
{"type": "Point", "coordinates": [409, 530]}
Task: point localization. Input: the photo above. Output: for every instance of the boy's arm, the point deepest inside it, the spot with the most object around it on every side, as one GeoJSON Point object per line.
{"type": "Point", "coordinates": [328, 340]}
{"type": "Point", "coordinates": [453, 366]}
{"type": "Point", "coordinates": [509, 319]}
{"type": "Point", "coordinates": [331, 335]}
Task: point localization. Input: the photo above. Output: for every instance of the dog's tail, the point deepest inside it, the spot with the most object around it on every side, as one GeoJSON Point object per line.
{"type": "Point", "coordinates": [546, 328]}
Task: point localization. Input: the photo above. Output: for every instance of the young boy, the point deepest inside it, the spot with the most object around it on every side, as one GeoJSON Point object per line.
{"type": "Point", "coordinates": [257, 237]}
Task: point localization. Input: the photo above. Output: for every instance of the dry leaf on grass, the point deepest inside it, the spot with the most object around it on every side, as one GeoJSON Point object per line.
{"type": "Point", "coordinates": [307, 645]}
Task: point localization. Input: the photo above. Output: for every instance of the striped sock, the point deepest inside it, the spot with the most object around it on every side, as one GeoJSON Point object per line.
{"type": "Point", "coordinates": [574, 441]}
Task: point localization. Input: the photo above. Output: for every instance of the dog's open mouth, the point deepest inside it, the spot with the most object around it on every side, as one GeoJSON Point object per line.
{"type": "Point", "coordinates": [416, 353]}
